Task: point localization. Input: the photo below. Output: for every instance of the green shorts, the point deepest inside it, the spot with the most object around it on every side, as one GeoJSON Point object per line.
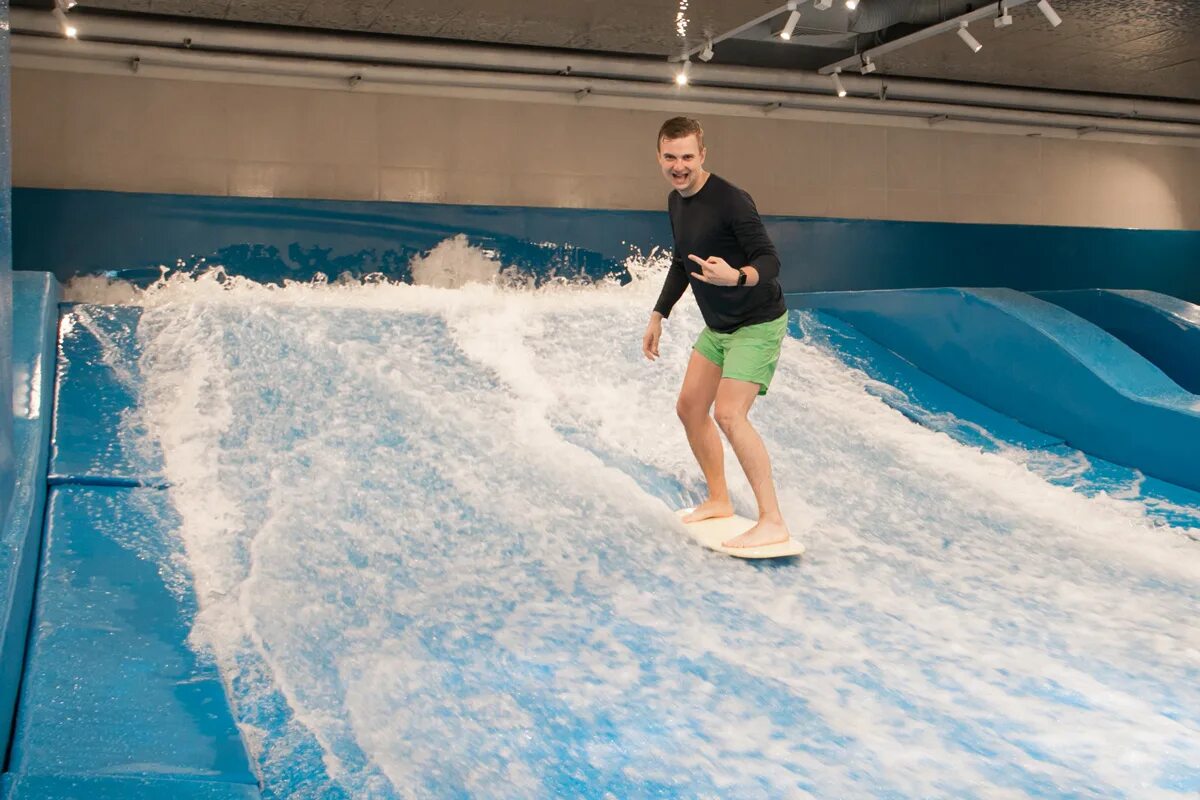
{"type": "Point", "coordinates": [748, 354]}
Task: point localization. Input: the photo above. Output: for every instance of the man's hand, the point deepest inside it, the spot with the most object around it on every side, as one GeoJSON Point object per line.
{"type": "Point", "coordinates": [714, 270]}
{"type": "Point", "coordinates": [652, 335]}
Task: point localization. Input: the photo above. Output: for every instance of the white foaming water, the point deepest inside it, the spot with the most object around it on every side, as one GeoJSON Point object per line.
{"type": "Point", "coordinates": [433, 531]}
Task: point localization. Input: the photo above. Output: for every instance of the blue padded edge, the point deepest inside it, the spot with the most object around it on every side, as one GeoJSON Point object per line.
{"type": "Point", "coordinates": [1039, 364]}
{"type": "Point", "coordinates": [93, 395]}
{"type": "Point", "coordinates": [1164, 329]}
{"type": "Point", "coordinates": [38, 787]}
{"type": "Point", "coordinates": [35, 316]}
{"type": "Point", "coordinates": [920, 398]}
{"type": "Point", "coordinates": [112, 689]}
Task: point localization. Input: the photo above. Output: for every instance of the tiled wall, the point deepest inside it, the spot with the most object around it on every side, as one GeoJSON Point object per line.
{"type": "Point", "coordinates": [140, 134]}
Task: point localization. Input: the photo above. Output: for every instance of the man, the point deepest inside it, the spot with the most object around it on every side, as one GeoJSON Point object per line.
{"type": "Point", "coordinates": [722, 249]}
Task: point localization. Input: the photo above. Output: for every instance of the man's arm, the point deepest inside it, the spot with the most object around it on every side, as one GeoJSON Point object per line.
{"type": "Point", "coordinates": [673, 287]}
{"type": "Point", "coordinates": [763, 261]}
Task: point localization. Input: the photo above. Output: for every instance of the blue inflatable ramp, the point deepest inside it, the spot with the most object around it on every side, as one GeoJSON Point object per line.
{"type": "Point", "coordinates": [112, 691]}
{"type": "Point", "coordinates": [1162, 328]}
{"type": "Point", "coordinates": [97, 384]}
{"type": "Point", "coordinates": [35, 317]}
{"type": "Point", "coordinates": [1039, 364]}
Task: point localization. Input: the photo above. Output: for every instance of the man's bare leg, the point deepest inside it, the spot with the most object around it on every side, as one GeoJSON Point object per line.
{"type": "Point", "coordinates": [734, 399]}
{"type": "Point", "coordinates": [695, 400]}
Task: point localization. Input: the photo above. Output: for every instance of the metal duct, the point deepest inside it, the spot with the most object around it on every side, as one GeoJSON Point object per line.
{"type": "Point", "coordinates": [876, 15]}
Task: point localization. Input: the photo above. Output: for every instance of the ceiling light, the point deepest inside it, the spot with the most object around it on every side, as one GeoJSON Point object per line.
{"type": "Point", "coordinates": [851, 4]}
{"type": "Point", "coordinates": [789, 27]}
{"type": "Point", "coordinates": [1005, 19]}
{"type": "Point", "coordinates": [822, 5]}
{"type": "Point", "coordinates": [707, 53]}
{"type": "Point", "coordinates": [69, 30]}
{"type": "Point", "coordinates": [868, 66]}
{"type": "Point", "coordinates": [966, 36]}
{"type": "Point", "coordinates": [837, 83]}
{"type": "Point", "coordinates": [681, 77]}
{"type": "Point", "coordinates": [1049, 13]}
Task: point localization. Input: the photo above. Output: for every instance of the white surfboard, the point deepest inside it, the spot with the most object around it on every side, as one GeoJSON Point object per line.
{"type": "Point", "coordinates": [711, 532]}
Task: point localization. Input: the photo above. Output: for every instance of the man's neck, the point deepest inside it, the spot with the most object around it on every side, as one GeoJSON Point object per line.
{"type": "Point", "coordinates": [699, 184]}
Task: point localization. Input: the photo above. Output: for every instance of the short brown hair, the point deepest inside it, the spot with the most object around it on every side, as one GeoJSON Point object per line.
{"type": "Point", "coordinates": [677, 128]}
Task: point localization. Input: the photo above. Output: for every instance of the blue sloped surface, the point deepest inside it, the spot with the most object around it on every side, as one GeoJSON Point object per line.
{"type": "Point", "coordinates": [41, 787]}
{"type": "Point", "coordinates": [112, 689]}
{"type": "Point", "coordinates": [35, 315]}
{"type": "Point", "coordinates": [920, 397]}
{"type": "Point", "coordinates": [97, 385]}
{"type": "Point", "coordinates": [1164, 329]}
{"type": "Point", "coordinates": [1039, 364]}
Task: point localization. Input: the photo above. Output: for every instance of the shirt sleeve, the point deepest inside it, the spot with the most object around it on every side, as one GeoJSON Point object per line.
{"type": "Point", "coordinates": [753, 239]}
{"type": "Point", "coordinates": [673, 287]}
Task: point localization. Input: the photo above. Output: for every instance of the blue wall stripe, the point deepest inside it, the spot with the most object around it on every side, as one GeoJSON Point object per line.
{"type": "Point", "coordinates": [70, 232]}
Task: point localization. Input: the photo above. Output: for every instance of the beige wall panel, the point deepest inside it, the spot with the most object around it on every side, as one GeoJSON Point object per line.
{"type": "Point", "coordinates": [184, 176]}
{"type": "Point", "coordinates": [916, 205]}
{"type": "Point", "coordinates": [858, 157]}
{"type": "Point", "coordinates": [990, 164]}
{"type": "Point", "coordinates": [411, 132]}
{"type": "Point", "coordinates": [991, 208]}
{"type": "Point", "coordinates": [354, 182]}
{"type": "Point", "coordinates": [857, 203]}
{"type": "Point", "coordinates": [914, 159]}
{"type": "Point", "coordinates": [133, 133]}
{"type": "Point", "coordinates": [413, 184]}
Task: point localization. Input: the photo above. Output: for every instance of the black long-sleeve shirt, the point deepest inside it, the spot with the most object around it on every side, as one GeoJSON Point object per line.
{"type": "Point", "coordinates": [721, 220]}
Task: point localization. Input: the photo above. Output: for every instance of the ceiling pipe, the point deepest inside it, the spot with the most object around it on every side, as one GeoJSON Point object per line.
{"type": "Point", "coordinates": [379, 49]}
{"type": "Point", "coordinates": [44, 53]}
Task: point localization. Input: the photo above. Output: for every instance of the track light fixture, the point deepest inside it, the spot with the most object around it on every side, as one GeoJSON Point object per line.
{"type": "Point", "coordinates": [823, 5]}
{"type": "Point", "coordinates": [69, 30]}
{"type": "Point", "coordinates": [707, 53]}
{"type": "Point", "coordinates": [868, 66]}
{"type": "Point", "coordinates": [789, 27]}
{"type": "Point", "coordinates": [61, 7]}
{"type": "Point", "coordinates": [1049, 13]}
{"type": "Point", "coordinates": [837, 82]}
{"type": "Point", "coordinates": [966, 36]}
{"type": "Point", "coordinates": [851, 4]}
{"type": "Point", "coordinates": [681, 77]}
{"type": "Point", "coordinates": [1004, 19]}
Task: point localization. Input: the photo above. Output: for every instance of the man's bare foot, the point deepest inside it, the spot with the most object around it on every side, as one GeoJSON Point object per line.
{"type": "Point", "coordinates": [762, 534]}
{"type": "Point", "coordinates": [710, 509]}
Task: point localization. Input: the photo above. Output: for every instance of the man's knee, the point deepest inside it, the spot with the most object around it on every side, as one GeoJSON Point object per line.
{"type": "Point", "coordinates": [690, 410]}
{"type": "Point", "coordinates": [729, 416]}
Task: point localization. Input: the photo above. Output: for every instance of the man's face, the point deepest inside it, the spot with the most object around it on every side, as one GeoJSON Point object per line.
{"type": "Point", "coordinates": [681, 161]}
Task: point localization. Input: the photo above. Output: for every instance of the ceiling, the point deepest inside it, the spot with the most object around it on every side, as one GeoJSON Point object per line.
{"type": "Point", "coordinates": [1149, 48]}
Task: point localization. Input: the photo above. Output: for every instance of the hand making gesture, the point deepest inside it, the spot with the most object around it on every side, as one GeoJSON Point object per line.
{"type": "Point", "coordinates": [715, 270]}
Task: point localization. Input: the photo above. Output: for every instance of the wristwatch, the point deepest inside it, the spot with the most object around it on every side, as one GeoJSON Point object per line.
{"type": "Point", "coordinates": [741, 276]}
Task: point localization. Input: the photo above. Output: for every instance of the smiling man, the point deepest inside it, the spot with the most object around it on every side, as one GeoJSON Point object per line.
{"type": "Point", "coordinates": [723, 250]}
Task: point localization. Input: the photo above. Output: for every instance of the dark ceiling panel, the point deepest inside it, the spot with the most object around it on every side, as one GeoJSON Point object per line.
{"type": "Point", "coordinates": [1147, 48]}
